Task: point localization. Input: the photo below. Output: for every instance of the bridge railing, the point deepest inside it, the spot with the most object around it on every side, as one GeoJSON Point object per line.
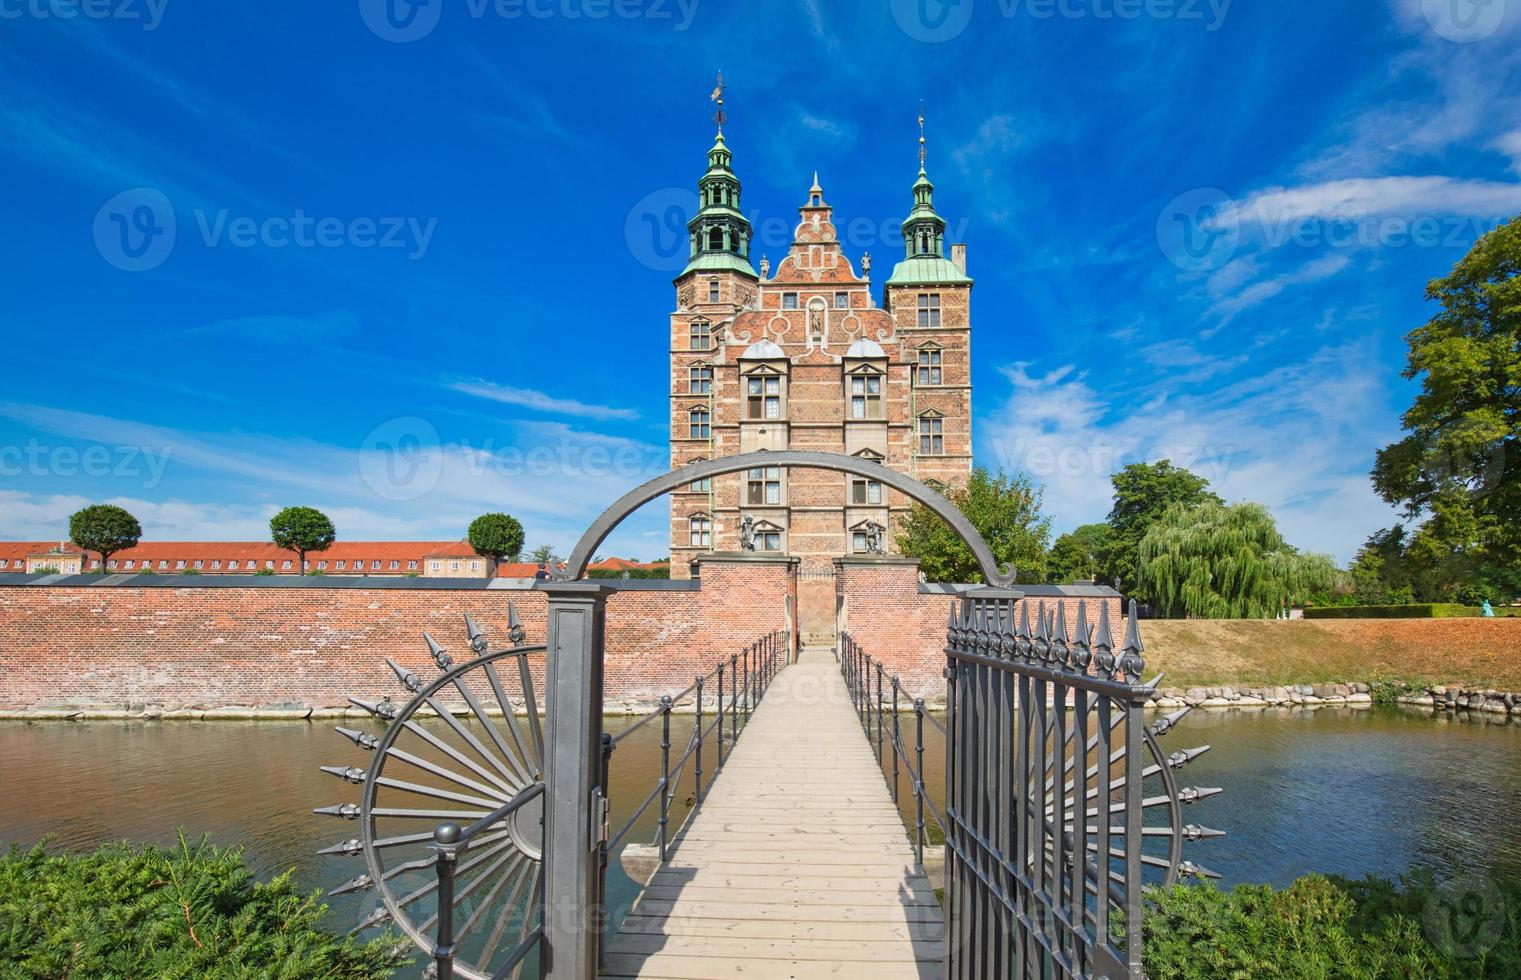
{"type": "Point", "coordinates": [722, 701]}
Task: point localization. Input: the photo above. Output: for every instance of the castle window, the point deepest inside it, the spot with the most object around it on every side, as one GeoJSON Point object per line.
{"type": "Point", "coordinates": [866, 396]}
{"type": "Point", "coordinates": [716, 240]}
{"type": "Point", "coordinates": [789, 301]}
{"type": "Point", "coordinates": [705, 485]}
{"type": "Point", "coordinates": [763, 486]}
{"type": "Point", "coordinates": [859, 543]}
{"type": "Point", "coordinates": [701, 528]}
{"type": "Point", "coordinates": [768, 541]}
{"type": "Point", "coordinates": [929, 309]}
{"type": "Point", "coordinates": [701, 335]}
{"type": "Point", "coordinates": [865, 492]}
{"type": "Point", "coordinates": [929, 366]}
{"type": "Point", "coordinates": [700, 379]}
{"type": "Point", "coordinates": [931, 435]}
{"type": "Point", "coordinates": [763, 398]}
{"type": "Point", "coordinates": [841, 301]}
{"type": "Point", "coordinates": [712, 290]}
{"type": "Point", "coordinates": [700, 423]}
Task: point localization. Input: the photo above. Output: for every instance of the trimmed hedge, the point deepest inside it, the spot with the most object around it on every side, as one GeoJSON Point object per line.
{"type": "Point", "coordinates": [1420, 610]}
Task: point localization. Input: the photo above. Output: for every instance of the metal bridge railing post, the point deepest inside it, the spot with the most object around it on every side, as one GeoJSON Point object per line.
{"type": "Point", "coordinates": [896, 735]}
{"type": "Point", "coordinates": [879, 713]}
{"type": "Point", "coordinates": [665, 775]}
{"type": "Point", "coordinates": [720, 763]}
{"type": "Point", "coordinates": [734, 699]}
{"type": "Point", "coordinates": [919, 833]}
{"type": "Point", "coordinates": [697, 755]}
{"type": "Point", "coordinates": [446, 845]}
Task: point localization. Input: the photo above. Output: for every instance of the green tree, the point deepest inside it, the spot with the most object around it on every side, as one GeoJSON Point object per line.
{"type": "Point", "coordinates": [1457, 472]}
{"type": "Point", "coordinates": [105, 528]}
{"type": "Point", "coordinates": [1222, 561]}
{"type": "Point", "coordinates": [1077, 555]}
{"type": "Point", "coordinates": [1143, 492]}
{"type": "Point", "coordinates": [301, 529]}
{"type": "Point", "coordinates": [544, 555]}
{"type": "Point", "coordinates": [496, 536]}
{"type": "Point", "coordinates": [1005, 509]}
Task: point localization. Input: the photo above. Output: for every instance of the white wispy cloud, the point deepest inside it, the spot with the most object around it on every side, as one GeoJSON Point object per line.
{"type": "Point", "coordinates": [1410, 197]}
{"type": "Point", "coordinates": [1257, 293]}
{"type": "Point", "coordinates": [539, 401]}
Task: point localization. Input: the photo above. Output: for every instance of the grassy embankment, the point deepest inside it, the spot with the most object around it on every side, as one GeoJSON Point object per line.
{"type": "Point", "coordinates": [1483, 653]}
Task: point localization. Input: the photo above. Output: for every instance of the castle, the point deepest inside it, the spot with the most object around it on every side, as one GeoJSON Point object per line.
{"type": "Point", "coordinates": [800, 356]}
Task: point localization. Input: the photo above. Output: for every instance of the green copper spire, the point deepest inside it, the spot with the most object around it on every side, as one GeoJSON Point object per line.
{"type": "Point", "coordinates": [719, 232]}
{"type": "Point", "coordinates": [924, 258]}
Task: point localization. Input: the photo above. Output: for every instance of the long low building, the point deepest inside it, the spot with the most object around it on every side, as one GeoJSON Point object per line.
{"type": "Point", "coordinates": [428, 559]}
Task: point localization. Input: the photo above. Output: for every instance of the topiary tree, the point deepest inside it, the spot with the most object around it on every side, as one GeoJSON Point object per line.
{"type": "Point", "coordinates": [302, 529]}
{"type": "Point", "coordinates": [496, 537]}
{"type": "Point", "coordinates": [1223, 561]}
{"type": "Point", "coordinates": [105, 528]}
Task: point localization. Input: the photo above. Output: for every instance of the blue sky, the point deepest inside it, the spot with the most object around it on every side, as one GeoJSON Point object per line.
{"type": "Point", "coordinates": [408, 264]}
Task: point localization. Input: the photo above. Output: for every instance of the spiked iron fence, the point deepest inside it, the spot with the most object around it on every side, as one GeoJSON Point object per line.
{"type": "Point", "coordinates": [472, 745]}
{"type": "Point", "coordinates": [1052, 776]}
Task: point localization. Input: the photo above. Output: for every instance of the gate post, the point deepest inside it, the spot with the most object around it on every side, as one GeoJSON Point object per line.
{"type": "Point", "coordinates": [575, 807]}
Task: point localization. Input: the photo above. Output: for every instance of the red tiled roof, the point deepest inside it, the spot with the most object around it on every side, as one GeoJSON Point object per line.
{"type": "Point", "coordinates": [16, 552]}
{"type": "Point", "coordinates": [623, 564]}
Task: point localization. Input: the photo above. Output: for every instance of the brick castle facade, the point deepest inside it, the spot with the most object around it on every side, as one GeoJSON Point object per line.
{"type": "Point", "coordinates": [800, 356]}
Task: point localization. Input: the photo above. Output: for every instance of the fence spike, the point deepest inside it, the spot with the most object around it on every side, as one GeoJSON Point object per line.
{"type": "Point", "coordinates": [1182, 758]}
{"type": "Point", "coordinates": [515, 631]}
{"type": "Point", "coordinates": [1133, 631]}
{"type": "Point", "coordinates": [1166, 723]}
{"type": "Point", "coordinates": [1195, 832]}
{"type": "Point", "coordinates": [409, 680]}
{"type": "Point", "coordinates": [359, 884]}
{"type": "Point", "coordinates": [352, 774]}
{"type": "Point", "coordinates": [361, 739]}
{"type": "Point", "coordinates": [477, 638]}
{"type": "Point", "coordinates": [1189, 869]}
{"type": "Point", "coordinates": [348, 811]}
{"type": "Point", "coordinates": [439, 654]}
{"type": "Point", "coordinates": [1193, 794]}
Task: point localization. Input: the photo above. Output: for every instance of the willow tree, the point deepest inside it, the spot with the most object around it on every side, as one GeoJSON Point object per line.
{"type": "Point", "coordinates": [1223, 561]}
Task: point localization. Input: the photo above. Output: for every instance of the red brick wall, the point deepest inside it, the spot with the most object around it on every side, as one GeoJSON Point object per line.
{"type": "Point", "coordinates": [260, 646]}
{"type": "Point", "coordinates": [883, 609]}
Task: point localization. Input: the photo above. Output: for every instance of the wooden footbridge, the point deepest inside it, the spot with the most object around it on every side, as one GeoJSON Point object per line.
{"type": "Point", "coordinates": [796, 865]}
{"type": "Point", "coordinates": [487, 832]}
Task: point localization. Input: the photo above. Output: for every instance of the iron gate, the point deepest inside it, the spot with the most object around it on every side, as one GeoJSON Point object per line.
{"type": "Point", "coordinates": [1061, 807]}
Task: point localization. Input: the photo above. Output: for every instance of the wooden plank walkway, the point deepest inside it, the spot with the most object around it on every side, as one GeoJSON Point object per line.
{"type": "Point", "coordinates": [796, 865]}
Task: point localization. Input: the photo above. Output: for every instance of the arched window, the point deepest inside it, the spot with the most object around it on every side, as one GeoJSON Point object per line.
{"type": "Point", "coordinates": [716, 240]}
{"type": "Point", "coordinates": [701, 423]}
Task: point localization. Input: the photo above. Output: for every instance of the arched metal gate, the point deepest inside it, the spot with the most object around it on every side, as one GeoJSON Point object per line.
{"type": "Point", "coordinates": [513, 806]}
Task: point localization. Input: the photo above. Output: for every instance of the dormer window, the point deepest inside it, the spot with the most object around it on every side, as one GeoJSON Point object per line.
{"type": "Point", "coordinates": [701, 335]}
{"type": "Point", "coordinates": [929, 309]}
{"type": "Point", "coordinates": [928, 372]}
{"type": "Point", "coordinates": [866, 395]}
{"type": "Point", "coordinates": [712, 290]}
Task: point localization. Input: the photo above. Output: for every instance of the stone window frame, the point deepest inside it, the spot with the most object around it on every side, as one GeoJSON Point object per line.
{"type": "Point", "coordinates": [700, 530]}
{"type": "Point", "coordinates": [770, 538]}
{"type": "Point", "coordinates": [928, 307]}
{"type": "Point", "coordinates": [842, 301]}
{"type": "Point", "coordinates": [765, 398]}
{"type": "Point", "coordinates": [700, 334]}
{"type": "Point", "coordinates": [764, 487]}
{"type": "Point", "coordinates": [866, 486]}
{"type": "Point", "coordinates": [713, 290]}
{"type": "Point", "coordinates": [929, 366]}
{"type": "Point", "coordinates": [700, 378]}
{"type": "Point", "coordinates": [929, 431]}
{"type": "Point", "coordinates": [700, 423]}
{"type": "Point", "coordinates": [705, 485]}
{"type": "Point", "coordinates": [865, 374]}
{"type": "Point", "coordinates": [790, 300]}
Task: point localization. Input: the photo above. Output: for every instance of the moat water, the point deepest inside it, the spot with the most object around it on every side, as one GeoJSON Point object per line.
{"type": "Point", "coordinates": [1342, 791]}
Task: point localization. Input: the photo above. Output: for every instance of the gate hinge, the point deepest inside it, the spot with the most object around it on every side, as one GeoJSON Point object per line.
{"type": "Point", "coordinates": [601, 828]}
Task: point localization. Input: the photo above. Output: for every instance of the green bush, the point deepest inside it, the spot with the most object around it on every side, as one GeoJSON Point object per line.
{"type": "Point", "coordinates": [661, 572]}
{"type": "Point", "coordinates": [192, 910]}
{"type": "Point", "coordinates": [1423, 610]}
{"type": "Point", "coordinates": [1330, 927]}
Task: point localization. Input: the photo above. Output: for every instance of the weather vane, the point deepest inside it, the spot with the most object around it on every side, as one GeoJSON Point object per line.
{"type": "Point", "coordinates": [718, 96]}
{"type": "Point", "coordinates": [921, 136]}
